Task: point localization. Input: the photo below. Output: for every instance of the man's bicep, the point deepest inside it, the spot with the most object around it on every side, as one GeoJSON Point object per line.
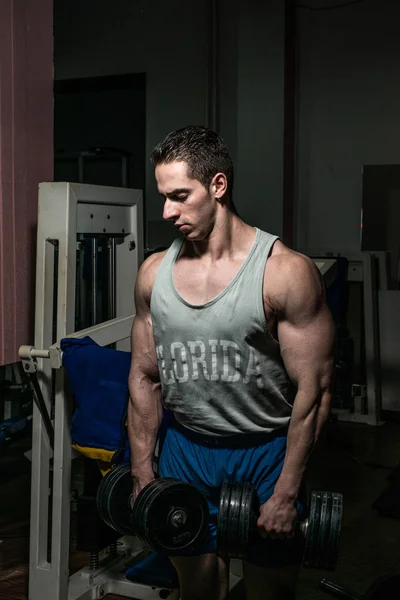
{"type": "Point", "coordinates": [305, 327]}
{"type": "Point", "coordinates": [143, 347]}
{"type": "Point", "coordinates": [307, 348]}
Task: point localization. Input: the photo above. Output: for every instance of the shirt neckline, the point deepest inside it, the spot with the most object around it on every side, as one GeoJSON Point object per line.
{"type": "Point", "coordinates": [226, 289]}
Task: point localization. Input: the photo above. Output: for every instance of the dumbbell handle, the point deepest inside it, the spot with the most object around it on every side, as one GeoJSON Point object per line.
{"type": "Point", "coordinates": [336, 590]}
{"type": "Point", "coordinates": [301, 525]}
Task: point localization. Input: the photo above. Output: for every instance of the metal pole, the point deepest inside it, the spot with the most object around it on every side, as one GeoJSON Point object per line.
{"type": "Point", "coordinates": [94, 280]}
{"type": "Point", "coordinates": [111, 278]}
{"type": "Point", "coordinates": [337, 590]}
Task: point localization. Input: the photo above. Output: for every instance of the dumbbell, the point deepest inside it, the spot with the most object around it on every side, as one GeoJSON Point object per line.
{"type": "Point", "coordinates": [168, 515]}
{"type": "Point", "coordinates": [171, 516]}
{"type": "Point", "coordinates": [237, 529]}
{"type": "Point", "coordinates": [384, 588]}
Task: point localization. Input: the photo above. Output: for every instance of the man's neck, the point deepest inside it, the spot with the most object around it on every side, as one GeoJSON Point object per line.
{"type": "Point", "coordinates": [230, 234]}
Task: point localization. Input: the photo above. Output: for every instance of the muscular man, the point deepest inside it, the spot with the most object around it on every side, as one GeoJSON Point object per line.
{"type": "Point", "coordinates": [233, 335]}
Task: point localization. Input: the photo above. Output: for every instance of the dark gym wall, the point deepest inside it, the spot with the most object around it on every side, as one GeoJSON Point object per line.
{"type": "Point", "coordinates": [347, 100]}
{"type": "Point", "coordinates": [105, 112]}
{"type": "Point", "coordinates": [168, 42]}
{"type": "Point", "coordinates": [349, 94]}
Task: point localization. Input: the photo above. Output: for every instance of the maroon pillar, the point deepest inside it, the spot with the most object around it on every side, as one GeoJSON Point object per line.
{"type": "Point", "coordinates": [26, 158]}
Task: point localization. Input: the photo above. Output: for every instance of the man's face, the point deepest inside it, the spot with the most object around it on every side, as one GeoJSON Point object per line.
{"type": "Point", "coordinates": [187, 203]}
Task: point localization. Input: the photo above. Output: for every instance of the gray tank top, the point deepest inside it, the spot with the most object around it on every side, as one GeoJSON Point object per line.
{"type": "Point", "coordinates": [221, 370]}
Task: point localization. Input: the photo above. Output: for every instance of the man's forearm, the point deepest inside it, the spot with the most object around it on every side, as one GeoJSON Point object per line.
{"type": "Point", "coordinates": [304, 431]}
{"type": "Point", "coordinates": [144, 420]}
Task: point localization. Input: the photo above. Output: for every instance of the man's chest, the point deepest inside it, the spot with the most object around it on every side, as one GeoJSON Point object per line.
{"type": "Point", "coordinates": [198, 283]}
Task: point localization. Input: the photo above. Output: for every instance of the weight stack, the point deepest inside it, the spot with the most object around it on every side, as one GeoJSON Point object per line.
{"type": "Point", "coordinates": [92, 534]}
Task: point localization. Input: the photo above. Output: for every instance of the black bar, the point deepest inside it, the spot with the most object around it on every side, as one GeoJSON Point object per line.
{"type": "Point", "coordinates": [337, 590]}
{"type": "Point", "coordinates": [40, 403]}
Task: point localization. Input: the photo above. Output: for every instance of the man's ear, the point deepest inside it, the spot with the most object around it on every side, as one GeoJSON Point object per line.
{"type": "Point", "coordinates": [219, 186]}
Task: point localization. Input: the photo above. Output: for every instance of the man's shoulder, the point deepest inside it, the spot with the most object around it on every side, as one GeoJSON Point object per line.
{"type": "Point", "coordinates": [147, 276]}
{"type": "Point", "coordinates": [149, 268]}
{"type": "Point", "coordinates": [285, 262]}
{"type": "Point", "coordinates": [288, 272]}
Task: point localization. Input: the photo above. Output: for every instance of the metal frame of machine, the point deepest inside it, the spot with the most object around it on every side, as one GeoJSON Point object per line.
{"type": "Point", "coordinates": [363, 268]}
{"type": "Point", "coordinates": [65, 210]}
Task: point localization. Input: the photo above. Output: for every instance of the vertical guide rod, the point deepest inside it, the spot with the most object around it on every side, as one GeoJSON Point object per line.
{"type": "Point", "coordinates": [94, 280]}
{"type": "Point", "coordinates": [112, 278]}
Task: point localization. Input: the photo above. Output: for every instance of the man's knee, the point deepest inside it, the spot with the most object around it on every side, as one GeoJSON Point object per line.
{"type": "Point", "coordinates": [203, 577]}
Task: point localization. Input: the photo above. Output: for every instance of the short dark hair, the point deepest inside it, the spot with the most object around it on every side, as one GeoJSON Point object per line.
{"type": "Point", "coordinates": [204, 151]}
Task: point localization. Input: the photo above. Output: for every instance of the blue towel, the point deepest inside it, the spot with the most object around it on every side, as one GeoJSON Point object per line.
{"type": "Point", "coordinates": [98, 377]}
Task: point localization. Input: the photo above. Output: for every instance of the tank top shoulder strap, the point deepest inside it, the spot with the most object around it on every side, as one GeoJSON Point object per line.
{"type": "Point", "coordinates": [262, 251]}
{"type": "Point", "coordinates": [173, 250]}
{"type": "Point", "coordinates": [164, 270]}
{"type": "Point", "coordinates": [265, 242]}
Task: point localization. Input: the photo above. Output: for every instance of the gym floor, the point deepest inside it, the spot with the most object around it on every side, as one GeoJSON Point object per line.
{"type": "Point", "coordinates": [354, 459]}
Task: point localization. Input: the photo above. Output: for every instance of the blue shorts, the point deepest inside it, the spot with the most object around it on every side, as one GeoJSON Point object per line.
{"type": "Point", "coordinates": [206, 467]}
